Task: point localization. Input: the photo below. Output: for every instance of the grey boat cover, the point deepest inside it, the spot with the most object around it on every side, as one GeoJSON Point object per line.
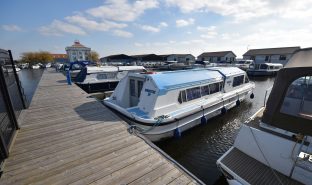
{"type": "Point", "coordinates": [299, 65]}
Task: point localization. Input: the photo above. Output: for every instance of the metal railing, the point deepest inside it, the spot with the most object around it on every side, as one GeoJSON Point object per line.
{"type": "Point", "coordinates": [12, 101]}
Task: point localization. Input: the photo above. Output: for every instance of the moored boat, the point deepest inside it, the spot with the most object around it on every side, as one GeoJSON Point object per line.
{"type": "Point", "coordinates": [275, 145]}
{"type": "Point", "coordinates": [105, 78]}
{"type": "Point", "coordinates": [164, 104]}
{"type": "Point", "coordinates": [265, 69]}
{"type": "Point", "coordinates": [36, 66]}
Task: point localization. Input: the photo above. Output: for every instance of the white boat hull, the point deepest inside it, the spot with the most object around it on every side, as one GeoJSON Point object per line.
{"type": "Point", "coordinates": [173, 129]}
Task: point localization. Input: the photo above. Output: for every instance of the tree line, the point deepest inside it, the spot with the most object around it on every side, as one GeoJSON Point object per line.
{"type": "Point", "coordinates": [46, 57]}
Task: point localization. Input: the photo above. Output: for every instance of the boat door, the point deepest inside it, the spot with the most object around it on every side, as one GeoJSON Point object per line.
{"type": "Point", "coordinates": [135, 91]}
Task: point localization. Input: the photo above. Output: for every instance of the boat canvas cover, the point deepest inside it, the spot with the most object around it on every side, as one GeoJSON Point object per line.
{"type": "Point", "coordinates": [299, 65]}
{"type": "Point", "coordinates": [167, 81]}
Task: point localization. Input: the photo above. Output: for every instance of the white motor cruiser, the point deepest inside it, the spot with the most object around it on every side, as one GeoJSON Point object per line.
{"type": "Point", "coordinates": [265, 69]}
{"type": "Point", "coordinates": [275, 145]}
{"type": "Point", "coordinates": [164, 104]}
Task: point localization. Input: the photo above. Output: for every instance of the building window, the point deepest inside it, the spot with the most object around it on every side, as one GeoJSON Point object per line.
{"type": "Point", "coordinates": [266, 58]}
{"type": "Point", "coordinates": [252, 57]}
{"type": "Point", "coordinates": [238, 80]}
{"type": "Point", "coordinates": [298, 99]}
{"type": "Point", "coordinates": [282, 57]}
{"type": "Point", "coordinates": [219, 58]}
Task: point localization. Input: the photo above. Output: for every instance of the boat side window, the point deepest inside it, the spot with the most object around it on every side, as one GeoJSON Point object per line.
{"type": "Point", "coordinates": [205, 90]}
{"type": "Point", "coordinates": [193, 93]}
{"type": "Point", "coordinates": [298, 98]}
{"type": "Point", "coordinates": [238, 80]}
{"type": "Point", "coordinates": [214, 88]}
{"type": "Point", "coordinates": [182, 97]}
{"type": "Point", "coordinates": [271, 67]}
{"type": "Point", "coordinates": [246, 79]}
{"type": "Point", "coordinates": [220, 86]}
{"type": "Point", "coordinates": [263, 66]}
{"type": "Point", "coordinates": [276, 67]}
{"type": "Point", "coordinates": [132, 87]}
{"type": "Point", "coordinates": [140, 86]}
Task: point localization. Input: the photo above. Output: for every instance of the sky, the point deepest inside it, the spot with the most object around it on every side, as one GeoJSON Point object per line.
{"type": "Point", "coordinates": [154, 26]}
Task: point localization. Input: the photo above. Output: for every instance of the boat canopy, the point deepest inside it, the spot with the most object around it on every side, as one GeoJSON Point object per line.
{"type": "Point", "coordinates": [167, 81]}
{"type": "Point", "coordinates": [290, 103]}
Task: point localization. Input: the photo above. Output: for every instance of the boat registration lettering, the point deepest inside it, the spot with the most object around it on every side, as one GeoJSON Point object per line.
{"type": "Point", "coordinates": [149, 91]}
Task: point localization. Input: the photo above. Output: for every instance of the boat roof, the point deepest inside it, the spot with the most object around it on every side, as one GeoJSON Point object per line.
{"type": "Point", "coordinates": [95, 69]}
{"type": "Point", "coordinates": [301, 58]}
{"type": "Point", "coordinates": [166, 81]}
{"type": "Point", "coordinates": [273, 64]}
{"type": "Point", "coordinates": [228, 71]}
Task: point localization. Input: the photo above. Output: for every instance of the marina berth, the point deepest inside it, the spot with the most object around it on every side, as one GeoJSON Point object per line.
{"type": "Point", "coordinates": [265, 69]}
{"type": "Point", "coordinates": [164, 104]}
{"type": "Point", "coordinates": [275, 145]}
{"type": "Point", "coordinates": [105, 78]}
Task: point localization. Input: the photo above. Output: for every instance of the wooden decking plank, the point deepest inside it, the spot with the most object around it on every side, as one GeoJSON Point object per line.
{"type": "Point", "coordinates": [60, 163]}
{"type": "Point", "coordinates": [67, 137]}
{"type": "Point", "coordinates": [85, 169]}
{"type": "Point", "coordinates": [45, 148]}
{"type": "Point", "coordinates": [152, 175]}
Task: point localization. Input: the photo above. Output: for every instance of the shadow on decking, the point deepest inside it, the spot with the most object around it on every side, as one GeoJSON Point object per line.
{"type": "Point", "coordinates": [95, 111]}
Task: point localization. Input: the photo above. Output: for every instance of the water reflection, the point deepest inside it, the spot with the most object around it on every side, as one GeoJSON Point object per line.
{"type": "Point", "coordinates": [200, 147]}
{"type": "Point", "coordinates": [29, 79]}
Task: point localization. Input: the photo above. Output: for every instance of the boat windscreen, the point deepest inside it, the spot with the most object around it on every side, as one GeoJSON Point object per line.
{"type": "Point", "coordinates": [81, 76]}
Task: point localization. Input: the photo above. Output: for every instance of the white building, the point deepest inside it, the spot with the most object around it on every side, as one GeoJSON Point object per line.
{"type": "Point", "coordinates": [78, 52]}
{"type": "Point", "coordinates": [270, 55]}
{"type": "Point", "coordinates": [219, 56]}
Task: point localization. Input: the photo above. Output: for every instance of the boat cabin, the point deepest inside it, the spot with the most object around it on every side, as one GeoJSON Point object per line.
{"type": "Point", "coordinates": [152, 95]}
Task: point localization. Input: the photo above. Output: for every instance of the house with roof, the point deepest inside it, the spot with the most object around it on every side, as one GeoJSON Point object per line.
{"type": "Point", "coordinates": [270, 55]}
{"type": "Point", "coordinates": [218, 56]}
{"type": "Point", "coordinates": [120, 59]}
{"type": "Point", "coordinates": [60, 58]}
{"type": "Point", "coordinates": [78, 52]}
{"type": "Point", "coordinates": [186, 59]}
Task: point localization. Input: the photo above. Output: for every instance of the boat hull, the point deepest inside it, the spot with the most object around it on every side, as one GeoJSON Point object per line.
{"type": "Point", "coordinates": [261, 73]}
{"type": "Point", "coordinates": [98, 87]}
{"type": "Point", "coordinates": [174, 129]}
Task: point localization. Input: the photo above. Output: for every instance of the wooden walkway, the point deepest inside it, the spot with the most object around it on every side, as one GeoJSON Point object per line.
{"type": "Point", "coordinates": [68, 138]}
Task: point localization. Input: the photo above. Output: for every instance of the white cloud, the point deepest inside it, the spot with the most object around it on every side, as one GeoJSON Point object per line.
{"type": "Point", "coordinates": [138, 44]}
{"type": "Point", "coordinates": [122, 10]}
{"type": "Point", "coordinates": [207, 32]}
{"type": "Point", "coordinates": [182, 22]}
{"type": "Point", "coordinates": [241, 10]}
{"type": "Point", "coordinates": [122, 33]}
{"type": "Point", "coordinates": [150, 28]}
{"type": "Point", "coordinates": [94, 25]}
{"type": "Point", "coordinates": [210, 28]}
{"type": "Point", "coordinates": [163, 24]}
{"type": "Point", "coordinates": [58, 28]}
{"type": "Point", "coordinates": [11, 27]}
{"type": "Point", "coordinates": [154, 29]}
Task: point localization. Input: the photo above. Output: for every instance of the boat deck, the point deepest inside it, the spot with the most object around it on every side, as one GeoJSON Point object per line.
{"type": "Point", "coordinates": [253, 171]}
{"type": "Point", "coordinates": [68, 138]}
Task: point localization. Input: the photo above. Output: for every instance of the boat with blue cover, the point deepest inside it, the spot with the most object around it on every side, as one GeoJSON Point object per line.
{"type": "Point", "coordinates": [164, 104]}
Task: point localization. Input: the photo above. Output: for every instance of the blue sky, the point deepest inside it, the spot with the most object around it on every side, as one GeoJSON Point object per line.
{"type": "Point", "coordinates": [154, 26]}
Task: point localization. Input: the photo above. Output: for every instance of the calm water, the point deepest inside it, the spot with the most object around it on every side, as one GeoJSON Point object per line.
{"type": "Point", "coordinates": [30, 79]}
{"type": "Point", "coordinates": [199, 148]}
